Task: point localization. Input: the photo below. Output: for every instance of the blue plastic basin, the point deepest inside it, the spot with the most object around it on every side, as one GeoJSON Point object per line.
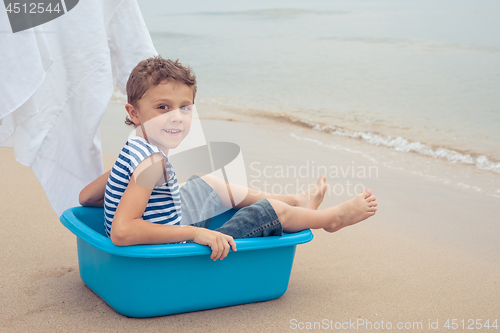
{"type": "Point", "coordinates": [157, 280]}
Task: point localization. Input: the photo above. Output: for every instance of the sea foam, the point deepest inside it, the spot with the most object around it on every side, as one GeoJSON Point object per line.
{"type": "Point", "coordinates": [401, 144]}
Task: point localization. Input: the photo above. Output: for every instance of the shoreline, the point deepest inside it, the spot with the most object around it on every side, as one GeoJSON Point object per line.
{"type": "Point", "coordinates": [374, 133]}
{"type": "Point", "coordinates": [485, 155]}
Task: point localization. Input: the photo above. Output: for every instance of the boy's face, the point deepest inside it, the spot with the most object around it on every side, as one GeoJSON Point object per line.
{"type": "Point", "coordinates": [164, 112]}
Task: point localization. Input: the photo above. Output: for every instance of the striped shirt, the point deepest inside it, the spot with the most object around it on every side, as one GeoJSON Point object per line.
{"type": "Point", "coordinates": [164, 205]}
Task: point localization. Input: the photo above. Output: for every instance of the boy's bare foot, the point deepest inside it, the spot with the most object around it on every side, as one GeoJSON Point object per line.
{"type": "Point", "coordinates": [312, 197]}
{"type": "Point", "coordinates": [352, 211]}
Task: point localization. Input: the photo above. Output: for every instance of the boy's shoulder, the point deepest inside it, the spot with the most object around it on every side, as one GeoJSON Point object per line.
{"type": "Point", "coordinates": [136, 144]}
{"type": "Point", "coordinates": [141, 142]}
{"type": "Point", "coordinates": [135, 151]}
{"type": "Point", "coordinates": [145, 159]}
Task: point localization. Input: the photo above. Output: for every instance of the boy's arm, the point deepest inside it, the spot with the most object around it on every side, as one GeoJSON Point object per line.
{"type": "Point", "coordinates": [128, 227]}
{"type": "Point", "coordinates": [93, 193]}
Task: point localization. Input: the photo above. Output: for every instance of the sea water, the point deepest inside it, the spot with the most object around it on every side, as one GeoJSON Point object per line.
{"type": "Point", "coordinates": [418, 78]}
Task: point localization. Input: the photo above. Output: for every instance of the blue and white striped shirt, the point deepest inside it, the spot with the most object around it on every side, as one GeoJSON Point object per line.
{"type": "Point", "coordinates": [164, 205]}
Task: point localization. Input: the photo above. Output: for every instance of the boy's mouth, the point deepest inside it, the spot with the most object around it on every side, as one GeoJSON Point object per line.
{"type": "Point", "coordinates": [172, 131]}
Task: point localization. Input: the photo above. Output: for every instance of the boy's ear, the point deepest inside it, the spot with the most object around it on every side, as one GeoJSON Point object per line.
{"type": "Point", "coordinates": [132, 112]}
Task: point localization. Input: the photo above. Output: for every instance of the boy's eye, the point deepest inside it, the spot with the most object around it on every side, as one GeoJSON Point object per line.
{"type": "Point", "coordinates": [186, 108]}
{"type": "Point", "coordinates": [164, 107]}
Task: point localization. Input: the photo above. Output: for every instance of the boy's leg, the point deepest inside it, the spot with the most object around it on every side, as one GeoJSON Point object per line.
{"type": "Point", "coordinates": [270, 217]}
{"type": "Point", "coordinates": [256, 220]}
{"type": "Point", "coordinates": [199, 201]}
{"type": "Point", "coordinates": [294, 219]}
{"type": "Point", "coordinates": [311, 198]}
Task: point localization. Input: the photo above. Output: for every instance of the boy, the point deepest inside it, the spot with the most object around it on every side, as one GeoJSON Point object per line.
{"type": "Point", "coordinates": [142, 198]}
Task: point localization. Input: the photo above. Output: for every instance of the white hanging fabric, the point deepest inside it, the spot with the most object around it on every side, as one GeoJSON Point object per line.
{"type": "Point", "coordinates": [56, 80]}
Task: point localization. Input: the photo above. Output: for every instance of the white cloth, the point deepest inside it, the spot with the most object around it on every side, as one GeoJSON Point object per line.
{"type": "Point", "coordinates": [56, 80]}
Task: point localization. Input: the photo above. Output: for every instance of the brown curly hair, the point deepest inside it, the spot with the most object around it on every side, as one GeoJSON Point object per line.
{"type": "Point", "coordinates": [151, 72]}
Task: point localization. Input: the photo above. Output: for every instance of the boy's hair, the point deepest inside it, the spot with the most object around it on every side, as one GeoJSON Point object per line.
{"type": "Point", "coordinates": [151, 72]}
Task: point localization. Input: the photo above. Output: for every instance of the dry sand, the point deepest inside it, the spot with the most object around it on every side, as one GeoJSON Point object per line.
{"type": "Point", "coordinates": [429, 254]}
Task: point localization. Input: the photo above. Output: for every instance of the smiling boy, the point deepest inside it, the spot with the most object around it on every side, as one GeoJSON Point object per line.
{"type": "Point", "coordinates": [142, 198]}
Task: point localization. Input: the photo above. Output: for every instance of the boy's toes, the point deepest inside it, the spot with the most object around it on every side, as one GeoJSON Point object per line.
{"type": "Point", "coordinates": [321, 183]}
{"type": "Point", "coordinates": [367, 193]}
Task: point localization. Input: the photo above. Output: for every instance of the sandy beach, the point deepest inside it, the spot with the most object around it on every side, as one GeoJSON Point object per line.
{"type": "Point", "coordinates": [429, 255]}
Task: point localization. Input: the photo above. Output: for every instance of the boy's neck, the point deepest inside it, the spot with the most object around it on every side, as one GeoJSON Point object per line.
{"type": "Point", "coordinates": [141, 134]}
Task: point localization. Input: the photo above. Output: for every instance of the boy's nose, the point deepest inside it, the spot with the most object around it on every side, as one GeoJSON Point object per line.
{"type": "Point", "coordinates": [175, 115]}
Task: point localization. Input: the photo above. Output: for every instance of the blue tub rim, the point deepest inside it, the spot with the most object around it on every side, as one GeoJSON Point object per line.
{"type": "Point", "coordinates": [104, 244]}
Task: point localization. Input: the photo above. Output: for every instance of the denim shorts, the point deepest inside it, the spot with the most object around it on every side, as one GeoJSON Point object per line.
{"type": "Point", "coordinates": [199, 202]}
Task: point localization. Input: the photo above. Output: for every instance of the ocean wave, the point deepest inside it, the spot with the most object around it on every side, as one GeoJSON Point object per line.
{"type": "Point", "coordinates": [415, 42]}
{"type": "Point", "coordinates": [275, 12]}
{"type": "Point", "coordinates": [171, 35]}
{"type": "Point", "coordinates": [399, 144]}
{"type": "Point", "coordinates": [403, 145]}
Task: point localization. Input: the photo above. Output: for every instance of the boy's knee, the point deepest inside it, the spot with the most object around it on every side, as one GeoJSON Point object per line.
{"type": "Point", "coordinates": [280, 208]}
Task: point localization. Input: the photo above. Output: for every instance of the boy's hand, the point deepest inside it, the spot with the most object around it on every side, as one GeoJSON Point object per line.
{"type": "Point", "coordinates": [218, 242]}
